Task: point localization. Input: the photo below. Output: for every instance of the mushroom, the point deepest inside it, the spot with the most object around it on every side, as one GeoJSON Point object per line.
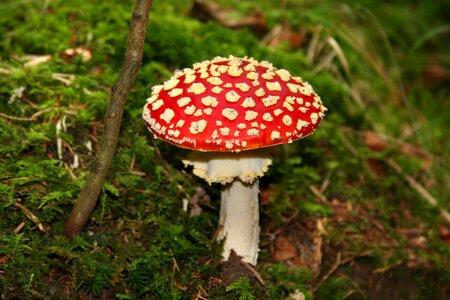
{"type": "Point", "coordinates": [228, 110]}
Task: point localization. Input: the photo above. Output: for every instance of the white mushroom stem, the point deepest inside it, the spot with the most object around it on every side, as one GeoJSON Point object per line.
{"type": "Point", "coordinates": [239, 214]}
{"type": "Point", "coordinates": [239, 220]}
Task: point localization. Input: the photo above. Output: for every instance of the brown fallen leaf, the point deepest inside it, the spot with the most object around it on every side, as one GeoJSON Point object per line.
{"type": "Point", "coordinates": [435, 73]}
{"type": "Point", "coordinates": [377, 143]}
{"type": "Point", "coordinates": [199, 199]}
{"type": "Point", "coordinates": [414, 151]}
{"type": "Point", "coordinates": [374, 142]}
{"type": "Point", "coordinates": [97, 71]}
{"type": "Point", "coordinates": [444, 234]}
{"type": "Point", "coordinates": [376, 166]}
{"type": "Point", "coordinates": [283, 250]}
{"type": "Point", "coordinates": [341, 209]}
{"type": "Point", "coordinates": [283, 33]}
{"type": "Point", "coordinates": [419, 242]}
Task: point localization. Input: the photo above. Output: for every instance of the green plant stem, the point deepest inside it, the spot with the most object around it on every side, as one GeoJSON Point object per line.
{"type": "Point", "coordinates": [87, 198]}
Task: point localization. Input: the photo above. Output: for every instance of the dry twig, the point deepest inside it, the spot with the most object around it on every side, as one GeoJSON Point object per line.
{"type": "Point", "coordinates": [30, 216]}
{"type": "Point", "coordinates": [32, 118]}
{"type": "Point", "coordinates": [19, 227]}
{"type": "Point", "coordinates": [205, 10]}
{"type": "Point", "coordinates": [338, 263]}
{"type": "Point", "coordinates": [132, 62]}
{"type": "Point", "coordinates": [67, 79]}
{"type": "Point", "coordinates": [253, 271]}
{"type": "Point", "coordinates": [317, 193]}
{"type": "Point", "coordinates": [418, 188]}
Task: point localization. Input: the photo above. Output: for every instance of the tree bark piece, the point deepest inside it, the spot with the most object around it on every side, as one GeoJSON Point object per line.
{"type": "Point", "coordinates": [87, 198]}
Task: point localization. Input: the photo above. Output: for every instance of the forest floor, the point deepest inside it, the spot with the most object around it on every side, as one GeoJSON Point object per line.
{"type": "Point", "coordinates": [358, 210]}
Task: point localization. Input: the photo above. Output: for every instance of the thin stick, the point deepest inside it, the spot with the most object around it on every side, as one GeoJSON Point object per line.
{"type": "Point", "coordinates": [338, 263]}
{"type": "Point", "coordinates": [333, 268]}
{"type": "Point", "coordinates": [15, 118]}
{"type": "Point", "coordinates": [30, 216]}
{"type": "Point", "coordinates": [418, 188]}
{"type": "Point", "coordinates": [151, 194]}
{"type": "Point", "coordinates": [253, 271]}
{"type": "Point", "coordinates": [317, 193]}
{"type": "Point", "coordinates": [32, 118]}
{"type": "Point", "coordinates": [87, 198]}
{"type": "Point", "coordinates": [19, 228]}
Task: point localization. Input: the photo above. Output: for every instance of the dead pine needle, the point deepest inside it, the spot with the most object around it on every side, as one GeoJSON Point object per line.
{"type": "Point", "coordinates": [175, 269]}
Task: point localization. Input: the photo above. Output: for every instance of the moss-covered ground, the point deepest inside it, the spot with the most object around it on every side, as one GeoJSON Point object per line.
{"type": "Point", "coordinates": [344, 212]}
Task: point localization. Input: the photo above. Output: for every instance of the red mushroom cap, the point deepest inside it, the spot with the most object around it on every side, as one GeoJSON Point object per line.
{"type": "Point", "coordinates": [232, 104]}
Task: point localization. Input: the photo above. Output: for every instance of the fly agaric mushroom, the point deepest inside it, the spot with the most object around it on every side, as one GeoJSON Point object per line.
{"type": "Point", "coordinates": [228, 110]}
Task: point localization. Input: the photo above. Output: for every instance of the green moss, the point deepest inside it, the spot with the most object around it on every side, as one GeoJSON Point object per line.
{"type": "Point", "coordinates": [139, 243]}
